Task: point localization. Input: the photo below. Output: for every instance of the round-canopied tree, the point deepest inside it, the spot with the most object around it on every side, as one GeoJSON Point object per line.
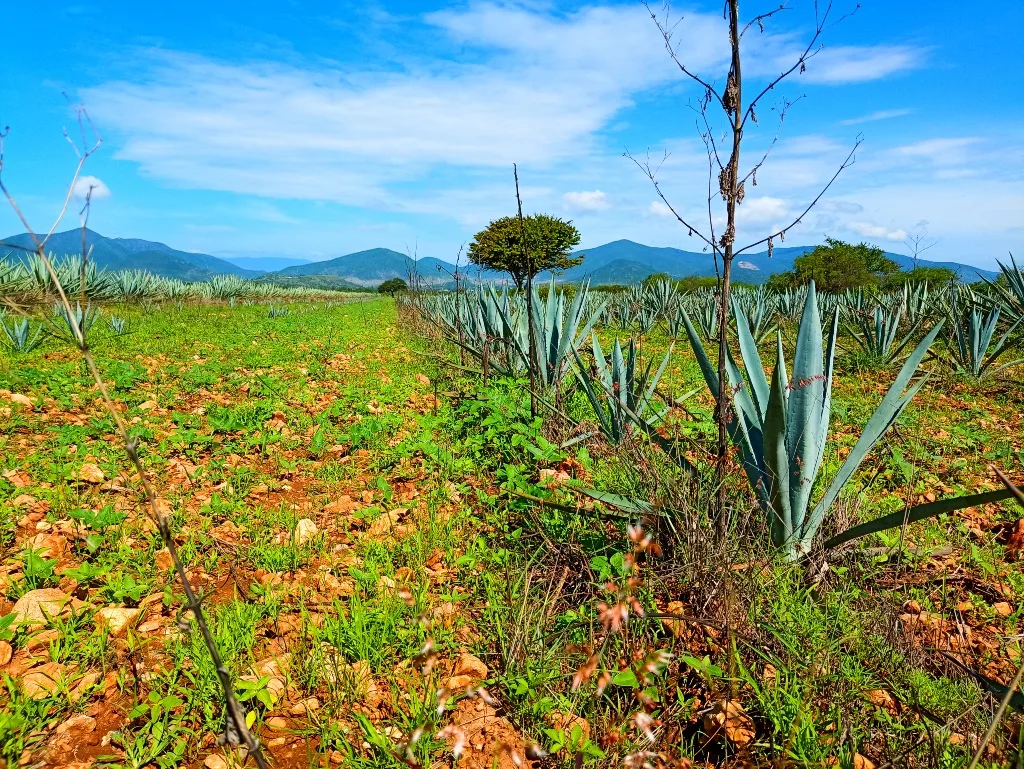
{"type": "Point", "coordinates": [392, 286]}
{"type": "Point", "coordinates": [549, 244]}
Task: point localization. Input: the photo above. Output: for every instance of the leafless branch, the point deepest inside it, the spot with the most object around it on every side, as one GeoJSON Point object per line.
{"type": "Point", "coordinates": [760, 19]}
{"type": "Point", "coordinates": [236, 731]}
{"type": "Point", "coordinates": [651, 173]}
{"type": "Point", "coordinates": [666, 35]}
{"type": "Point", "coordinates": [850, 160]}
{"type": "Point", "coordinates": [801, 63]}
{"type": "Point", "coordinates": [752, 173]}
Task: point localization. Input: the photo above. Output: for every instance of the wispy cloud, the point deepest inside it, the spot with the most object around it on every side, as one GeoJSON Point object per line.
{"type": "Point", "coordinates": [881, 114]}
{"type": "Point", "coordinates": [594, 200]}
{"type": "Point", "coordinates": [87, 184]}
{"type": "Point", "coordinates": [869, 230]}
{"type": "Point", "coordinates": [860, 64]}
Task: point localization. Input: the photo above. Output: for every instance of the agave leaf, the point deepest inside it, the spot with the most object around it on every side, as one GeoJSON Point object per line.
{"type": "Point", "coordinates": [776, 459]}
{"type": "Point", "coordinates": [918, 513]}
{"type": "Point", "coordinates": [709, 372]}
{"type": "Point", "coordinates": [885, 415]}
{"type": "Point", "coordinates": [806, 398]}
{"type": "Point", "coordinates": [751, 358]}
{"type": "Point", "coordinates": [635, 506]}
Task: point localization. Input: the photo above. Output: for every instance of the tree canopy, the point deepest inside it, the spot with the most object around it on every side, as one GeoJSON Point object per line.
{"type": "Point", "coordinates": [549, 242]}
{"type": "Point", "coordinates": [393, 286]}
{"type": "Point", "coordinates": [837, 266]}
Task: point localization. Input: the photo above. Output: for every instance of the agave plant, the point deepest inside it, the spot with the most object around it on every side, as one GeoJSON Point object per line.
{"type": "Point", "coordinates": [1010, 297]}
{"type": "Point", "coordinates": [18, 337]}
{"type": "Point", "coordinates": [877, 335]}
{"type": "Point", "coordinates": [75, 326]}
{"type": "Point", "coordinates": [618, 391]}
{"type": "Point", "coordinates": [971, 349]}
{"type": "Point", "coordinates": [118, 326]}
{"type": "Point", "coordinates": [558, 332]}
{"type": "Point", "coordinates": [781, 427]}
{"type": "Point", "coordinates": [758, 307]}
{"type": "Point", "coordinates": [277, 312]}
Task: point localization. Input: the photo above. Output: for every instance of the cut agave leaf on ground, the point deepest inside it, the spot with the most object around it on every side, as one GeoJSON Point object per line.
{"type": "Point", "coordinates": [990, 685]}
{"type": "Point", "coordinates": [636, 506]}
{"type": "Point", "coordinates": [918, 513]}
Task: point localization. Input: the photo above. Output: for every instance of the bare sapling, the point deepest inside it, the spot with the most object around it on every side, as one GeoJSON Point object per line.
{"type": "Point", "coordinates": [724, 161]}
{"type": "Point", "coordinates": [236, 733]}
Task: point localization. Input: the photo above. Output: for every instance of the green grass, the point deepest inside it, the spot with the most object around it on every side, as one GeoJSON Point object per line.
{"type": "Point", "coordinates": [250, 423]}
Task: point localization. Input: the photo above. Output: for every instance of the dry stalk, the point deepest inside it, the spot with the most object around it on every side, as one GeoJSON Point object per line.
{"type": "Point", "coordinates": [235, 732]}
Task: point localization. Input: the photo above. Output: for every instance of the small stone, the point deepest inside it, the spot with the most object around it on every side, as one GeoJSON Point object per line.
{"type": "Point", "coordinates": [91, 473]}
{"type": "Point", "coordinates": [277, 723]}
{"type": "Point", "coordinates": [213, 761]}
{"type": "Point", "coordinates": [337, 756]}
{"type": "Point", "coordinates": [965, 606]}
{"type": "Point", "coordinates": [1002, 609]}
{"type": "Point", "coordinates": [42, 681]}
{"type": "Point", "coordinates": [6, 652]}
{"type": "Point", "coordinates": [83, 686]}
{"type": "Point", "coordinates": [305, 530]}
{"type": "Point", "coordinates": [276, 742]}
{"type": "Point", "coordinates": [79, 723]}
{"type": "Point", "coordinates": [423, 379]}
{"type": "Point", "coordinates": [36, 606]}
{"type": "Point", "coordinates": [862, 762]}
{"type": "Point", "coordinates": [22, 400]}
{"type": "Point", "coordinates": [912, 607]}
{"type": "Point", "coordinates": [304, 707]}
{"type": "Point", "coordinates": [472, 666]}
{"type": "Point", "coordinates": [115, 619]}
{"type": "Point", "coordinates": [147, 405]}
{"type": "Point", "coordinates": [163, 560]}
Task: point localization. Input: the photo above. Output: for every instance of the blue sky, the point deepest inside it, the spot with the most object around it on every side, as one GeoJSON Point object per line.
{"type": "Point", "coordinates": [317, 129]}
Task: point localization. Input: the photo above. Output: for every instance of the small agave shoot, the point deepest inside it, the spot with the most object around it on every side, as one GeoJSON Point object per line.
{"type": "Point", "coordinates": [781, 428]}
{"type": "Point", "coordinates": [971, 349]}
{"type": "Point", "coordinates": [277, 312]}
{"type": "Point", "coordinates": [877, 335]}
{"type": "Point", "coordinates": [78, 324]}
{"type": "Point", "coordinates": [619, 392]}
{"type": "Point", "coordinates": [1011, 296]}
{"type": "Point", "coordinates": [118, 326]}
{"type": "Point", "coordinates": [18, 336]}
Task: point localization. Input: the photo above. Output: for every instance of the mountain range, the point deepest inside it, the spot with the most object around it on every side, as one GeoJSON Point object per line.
{"type": "Point", "coordinates": [619, 262]}
{"type": "Point", "coordinates": [117, 254]}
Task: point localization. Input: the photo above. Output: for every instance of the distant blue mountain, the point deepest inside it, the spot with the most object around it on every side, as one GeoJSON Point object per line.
{"type": "Point", "coordinates": [117, 254]}
{"type": "Point", "coordinates": [624, 261]}
{"type": "Point", "coordinates": [265, 263]}
{"type": "Point", "coordinates": [374, 266]}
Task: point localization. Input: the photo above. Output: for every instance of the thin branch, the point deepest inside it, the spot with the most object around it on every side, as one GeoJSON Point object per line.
{"type": "Point", "coordinates": [760, 19]}
{"type": "Point", "coordinates": [652, 175]}
{"type": "Point", "coordinates": [850, 160]}
{"type": "Point", "coordinates": [800, 63]}
{"type": "Point", "coordinates": [236, 731]}
{"type": "Point", "coordinates": [775, 139]}
{"type": "Point", "coordinates": [666, 35]}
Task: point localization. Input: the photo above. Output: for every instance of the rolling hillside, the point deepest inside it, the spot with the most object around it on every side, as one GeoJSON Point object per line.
{"type": "Point", "coordinates": [624, 261]}
{"type": "Point", "coordinates": [117, 254]}
{"type": "Point", "coordinates": [372, 267]}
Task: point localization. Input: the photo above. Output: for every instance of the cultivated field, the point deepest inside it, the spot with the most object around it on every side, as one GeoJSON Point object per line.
{"type": "Point", "coordinates": [398, 562]}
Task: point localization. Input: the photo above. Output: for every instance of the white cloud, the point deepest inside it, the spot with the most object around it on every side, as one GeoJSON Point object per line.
{"type": "Point", "coordinates": [869, 230]}
{"type": "Point", "coordinates": [86, 183]}
{"type": "Point", "coordinates": [660, 209]}
{"type": "Point", "coordinates": [530, 84]}
{"type": "Point", "coordinates": [762, 209]}
{"type": "Point", "coordinates": [859, 64]}
{"type": "Point", "coordinates": [881, 114]}
{"type": "Point", "coordinates": [586, 201]}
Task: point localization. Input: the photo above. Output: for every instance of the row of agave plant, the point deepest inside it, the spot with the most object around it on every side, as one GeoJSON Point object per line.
{"type": "Point", "coordinates": [782, 412]}
{"type": "Point", "coordinates": [983, 321]}
{"type": "Point", "coordinates": [29, 281]}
